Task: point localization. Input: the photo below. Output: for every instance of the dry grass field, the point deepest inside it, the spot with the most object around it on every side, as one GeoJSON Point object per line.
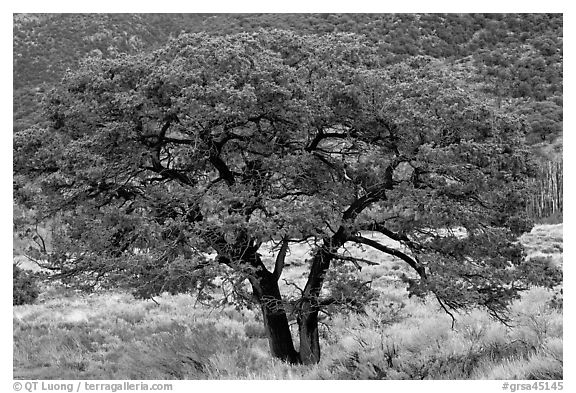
{"type": "Point", "coordinates": [68, 335]}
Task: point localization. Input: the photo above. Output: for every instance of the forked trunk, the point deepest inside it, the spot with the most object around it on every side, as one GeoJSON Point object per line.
{"type": "Point", "coordinates": [265, 286]}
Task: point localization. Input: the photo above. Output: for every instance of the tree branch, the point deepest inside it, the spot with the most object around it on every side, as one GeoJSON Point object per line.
{"type": "Point", "coordinates": [446, 310]}
{"type": "Point", "coordinates": [177, 141]}
{"type": "Point", "coordinates": [293, 284]}
{"type": "Point", "coordinates": [323, 135]}
{"type": "Point", "coordinates": [399, 237]}
{"type": "Point", "coordinates": [280, 258]}
{"type": "Point", "coordinates": [168, 173]}
{"type": "Point", "coordinates": [391, 251]}
{"type": "Point", "coordinates": [222, 169]}
{"type": "Point", "coordinates": [363, 202]}
{"type": "Point", "coordinates": [355, 260]}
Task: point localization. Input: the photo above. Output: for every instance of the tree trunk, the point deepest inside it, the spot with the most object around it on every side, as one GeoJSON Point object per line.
{"type": "Point", "coordinates": [275, 319]}
{"type": "Point", "coordinates": [310, 304]}
{"type": "Point", "coordinates": [309, 339]}
{"type": "Point", "coordinates": [308, 310]}
{"type": "Point", "coordinates": [267, 293]}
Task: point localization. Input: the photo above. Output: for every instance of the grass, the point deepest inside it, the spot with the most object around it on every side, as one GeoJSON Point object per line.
{"type": "Point", "coordinates": [545, 241]}
{"type": "Point", "coordinates": [68, 335]}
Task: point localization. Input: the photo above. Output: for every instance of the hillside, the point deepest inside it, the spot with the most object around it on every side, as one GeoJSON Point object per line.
{"type": "Point", "coordinates": [518, 57]}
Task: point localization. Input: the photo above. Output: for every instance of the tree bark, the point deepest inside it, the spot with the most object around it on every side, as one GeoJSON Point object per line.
{"type": "Point", "coordinates": [275, 320]}
{"type": "Point", "coordinates": [267, 293]}
{"type": "Point", "coordinates": [308, 330]}
{"type": "Point", "coordinates": [309, 306]}
{"type": "Point", "coordinates": [310, 303]}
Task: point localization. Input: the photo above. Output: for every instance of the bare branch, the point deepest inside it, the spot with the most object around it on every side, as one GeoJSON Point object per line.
{"type": "Point", "coordinates": [292, 284]}
{"type": "Point", "coordinates": [40, 243]}
{"type": "Point", "coordinates": [355, 260]}
{"type": "Point", "coordinates": [446, 310]}
{"type": "Point", "coordinates": [363, 202]}
{"type": "Point", "coordinates": [391, 251]}
{"type": "Point", "coordinates": [324, 135]}
{"type": "Point", "coordinates": [399, 237]}
{"type": "Point", "coordinates": [280, 258]}
{"type": "Point", "coordinates": [222, 168]}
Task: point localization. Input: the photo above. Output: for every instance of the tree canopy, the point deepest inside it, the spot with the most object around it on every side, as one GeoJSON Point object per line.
{"type": "Point", "coordinates": [221, 144]}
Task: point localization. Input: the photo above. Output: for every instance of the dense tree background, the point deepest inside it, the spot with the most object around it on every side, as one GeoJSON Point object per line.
{"type": "Point", "coordinates": [517, 56]}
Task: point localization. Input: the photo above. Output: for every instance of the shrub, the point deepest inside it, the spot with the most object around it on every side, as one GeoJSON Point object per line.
{"type": "Point", "coordinates": [254, 330]}
{"type": "Point", "coordinates": [25, 286]}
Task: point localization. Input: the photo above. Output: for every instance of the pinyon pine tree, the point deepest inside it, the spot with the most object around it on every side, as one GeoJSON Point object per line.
{"type": "Point", "coordinates": [217, 145]}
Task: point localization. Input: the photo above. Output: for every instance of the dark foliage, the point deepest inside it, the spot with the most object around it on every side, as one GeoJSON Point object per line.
{"type": "Point", "coordinates": [25, 286]}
